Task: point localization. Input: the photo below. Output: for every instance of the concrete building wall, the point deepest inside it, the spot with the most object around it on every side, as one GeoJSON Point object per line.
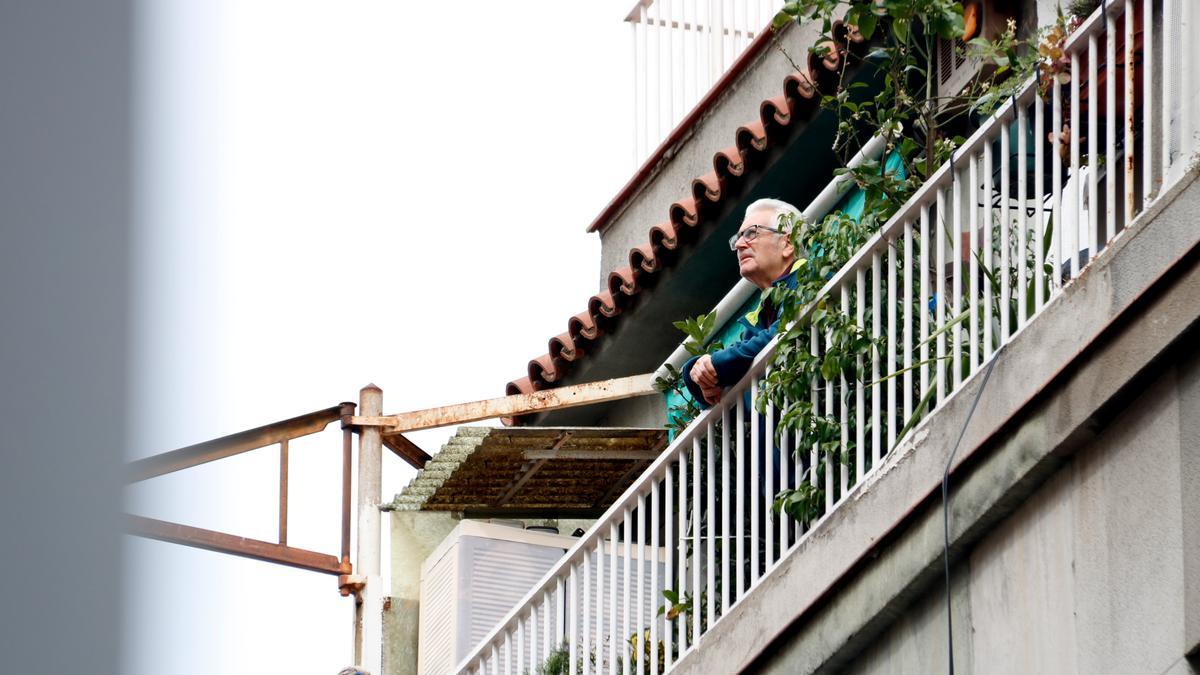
{"type": "Point", "coordinates": [1086, 576]}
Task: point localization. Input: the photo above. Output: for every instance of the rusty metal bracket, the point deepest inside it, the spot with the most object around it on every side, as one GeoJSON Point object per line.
{"type": "Point", "coordinates": [351, 583]}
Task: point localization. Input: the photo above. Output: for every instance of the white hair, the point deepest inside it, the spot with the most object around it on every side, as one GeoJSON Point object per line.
{"type": "Point", "coordinates": [780, 207]}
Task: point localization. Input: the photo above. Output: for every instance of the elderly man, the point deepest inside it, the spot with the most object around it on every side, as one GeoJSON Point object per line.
{"type": "Point", "coordinates": [765, 258]}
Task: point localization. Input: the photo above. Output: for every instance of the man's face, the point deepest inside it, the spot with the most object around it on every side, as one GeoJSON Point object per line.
{"type": "Point", "coordinates": [765, 259]}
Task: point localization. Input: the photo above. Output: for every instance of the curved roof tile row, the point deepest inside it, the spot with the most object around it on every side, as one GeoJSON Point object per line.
{"type": "Point", "coordinates": [752, 140]}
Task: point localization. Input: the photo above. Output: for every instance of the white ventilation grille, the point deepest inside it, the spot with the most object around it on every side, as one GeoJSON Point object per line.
{"type": "Point", "coordinates": [471, 581]}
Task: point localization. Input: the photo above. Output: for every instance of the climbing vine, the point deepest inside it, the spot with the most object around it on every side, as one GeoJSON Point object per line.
{"type": "Point", "coordinates": [922, 129]}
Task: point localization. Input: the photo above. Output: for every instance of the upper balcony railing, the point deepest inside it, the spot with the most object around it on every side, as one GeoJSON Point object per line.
{"type": "Point", "coordinates": [987, 242]}
{"type": "Point", "coordinates": [681, 48]}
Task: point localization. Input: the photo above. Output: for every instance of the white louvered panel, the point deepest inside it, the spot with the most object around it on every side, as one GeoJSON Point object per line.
{"type": "Point", "coordinates": [437, 615]}
{"type": "Point", "coordinates": [494, 575]}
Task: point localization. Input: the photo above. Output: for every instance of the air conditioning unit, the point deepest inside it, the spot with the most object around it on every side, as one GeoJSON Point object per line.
{"type": "Point", "coordinates": [481, 570]}
{"type": "Point", "coordinates": [955, 67]}
{"type": "Point", "coordinates": [471, 580]}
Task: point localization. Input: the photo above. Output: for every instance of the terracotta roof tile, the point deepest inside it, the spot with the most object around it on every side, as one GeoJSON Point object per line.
{"type": "Point", "coordinates": [752, 140]}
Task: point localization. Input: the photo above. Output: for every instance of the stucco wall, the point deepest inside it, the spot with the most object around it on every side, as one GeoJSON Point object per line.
{"type": "Point", "coordinates": [1086, 576]}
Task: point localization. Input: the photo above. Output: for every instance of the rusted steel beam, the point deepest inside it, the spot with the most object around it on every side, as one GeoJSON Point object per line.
{"type": "Point", "coordinates": [221, 542]}
{"type": "Point", "coordinates": [233, 444]}
{"type": "Point", "coordinates": [517, 404]}
{"type": "Point", "coordinates": [283, 491]}
{"type": "Point", "coordinates": [406, 450]}
{"type": "Point", "coordinates": [347, 441]}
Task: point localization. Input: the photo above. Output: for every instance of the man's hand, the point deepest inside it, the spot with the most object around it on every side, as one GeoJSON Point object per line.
{"type": "Point", "coordinates": [704, 374]}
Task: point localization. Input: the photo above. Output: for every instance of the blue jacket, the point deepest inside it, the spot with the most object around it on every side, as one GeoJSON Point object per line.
{"type": "Point", "coordinates": [758, 327]}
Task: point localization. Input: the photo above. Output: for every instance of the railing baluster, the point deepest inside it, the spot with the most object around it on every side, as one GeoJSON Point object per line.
{"type": "Point", "coordinates": [1187, 51]}
{"type": "Point", "coordinates": [635, 80]}
{"type": "Point", "coordinates": [876, 272]}
{"type": "Point", "coordinates": [1130, 93]}
{"type": "Point", "coordinates": [768, 453]}
{"type": "Point", "coordinates": [570, 607]}
{"type": "Point", "coordinates": [682, 635]}
{"type": "Point", "coordinates": [627, 577]}
{"type": "Point", "coordinates": [1110, 126]}
{"type": "Point", "coordinates": [697, 561]}
{"type": "Point", "coordinates": [520, 645]}
{"type": "Point", "coordinates": [612, 598]}
{"type": "Point", "coordinates": [909, 258]}
{"type": "Point", "coordinates": [1169, 24]}
{"type": "Point", "coordinates": [641, 583]}
{"type": "Point", "coordinates": [1093, 158]}
{"type": "Point", "coordinates": [754, 498]}
{"type": "Point", "coordinates": [1022, 214]}
{"type": "Point", "coordinates": [1059, 235]}
{"type": "Point", "coordinates": [740, 566]}
{"type": "Point", "coordinates": [698, 72]}
{"type": "Point", "coordinates": [973, 263]}
{"type": "Point", "coordinates": [669, 88]}
{"type": "Point", "coordinates": [654, 130]}
{"type": "Point", "coordinates": [844, 404]}
{"type": "Point", "coordinates": [830, 461]}
{"type": "Point", "coordinates": [655, 595]}
{"type": "Point", "coordinates": [711, 510]}
{"type": "Point", "coordinates": [860, 444]}
{"type": "Point", "coordinates": [1005, 225]}
{"type": "Point", "coordinates": [889, 367]}
{"type": "Point", "coordinates": [669, 567]}
{"type": "Point", "coordinates": [560, 617]}
{"type": "Point", "coordinates": [956, 289]}
{"type": "Point", "coordinates": [646, 67]}
{"type": "Point", "coordinates": [939, 287]}
{"type": "Point", "coordinates": [1039, 246]}
{"type": "Point", "coordinates": [1076, 192]}
{"type": "Point", "coordinates": [597, 647]}
{"type": "Point", "coordinates": [987, 250]}
{"type": "Point", "coordinates": [782, 452]}
{"type": "Point", "coordinates": [1147, 100]}
{"type": "Point", "coordinates": [534, 655]}
{"type": "Point", "coordinates": [587, 612]}
{"type": "Point", "coordinates": [926, 296]}
{"type": "Point", "coordinates": [725, 525]}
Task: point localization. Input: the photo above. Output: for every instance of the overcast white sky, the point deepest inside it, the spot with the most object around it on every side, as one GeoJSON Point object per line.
{"type": "Point", "coordinates": [332, 194]}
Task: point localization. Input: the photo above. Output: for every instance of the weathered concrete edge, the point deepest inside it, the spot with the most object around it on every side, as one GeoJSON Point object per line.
{"type": "Point", "coordinates": [1189, 476]}
{"type": "Point", "coordinates": [1041, 354]}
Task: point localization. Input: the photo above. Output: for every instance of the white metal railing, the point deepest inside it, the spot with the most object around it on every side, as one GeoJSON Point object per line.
{"type": "Point", "coordinates": [698, 522]}
{"type": "Point", "coordinates": [680, 49]}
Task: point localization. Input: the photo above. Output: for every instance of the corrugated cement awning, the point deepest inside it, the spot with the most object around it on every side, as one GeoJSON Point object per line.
{"type": "Point", "coordinates": [524, 472]}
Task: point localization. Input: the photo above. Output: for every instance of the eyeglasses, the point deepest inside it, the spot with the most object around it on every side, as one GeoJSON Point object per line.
{"type": "Point", "coordinates": [749, 234]}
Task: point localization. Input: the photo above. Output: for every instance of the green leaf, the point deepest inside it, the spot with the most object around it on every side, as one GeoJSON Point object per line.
{"type": "Point", "coordinates": [866, 24]}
